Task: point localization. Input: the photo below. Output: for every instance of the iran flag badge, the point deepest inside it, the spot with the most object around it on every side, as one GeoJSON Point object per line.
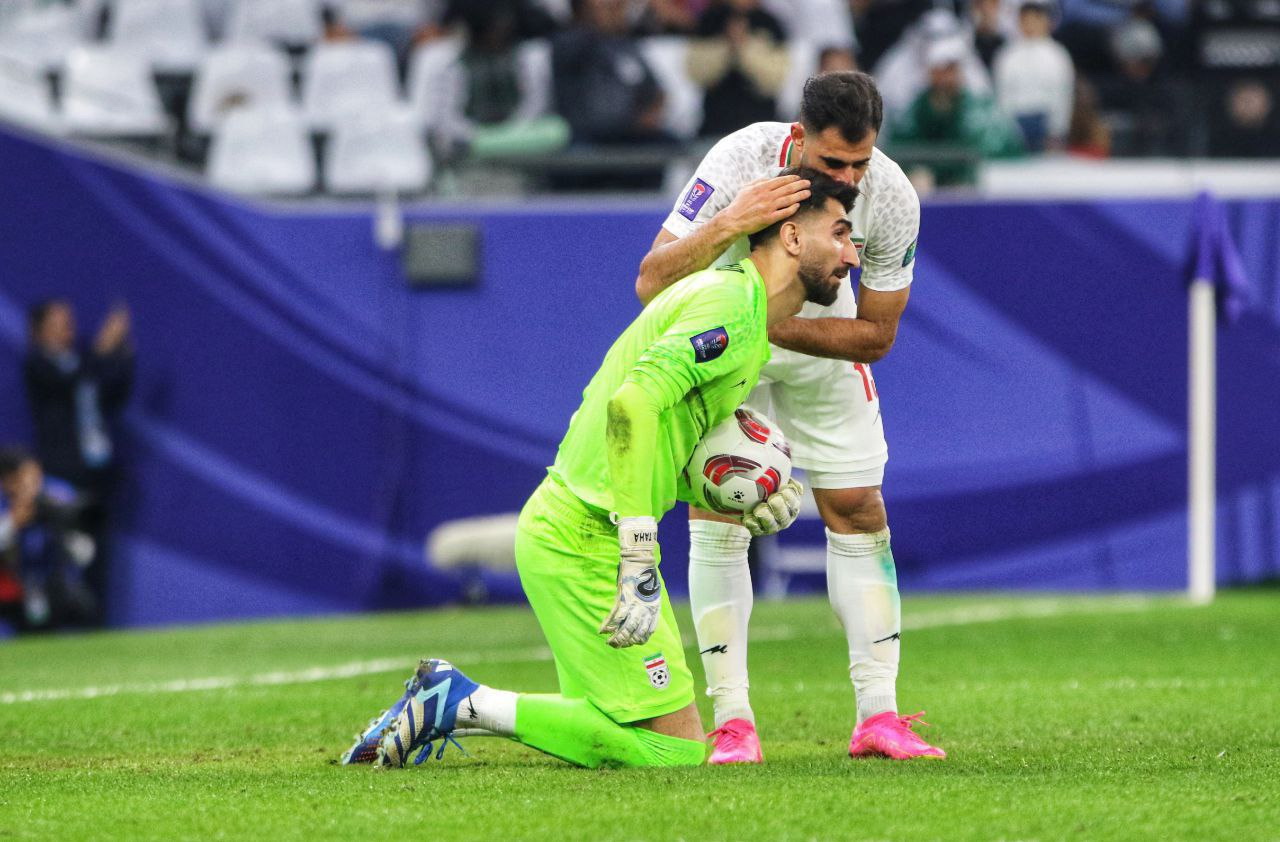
{"type": "Point", "coordinates": [656, 667]}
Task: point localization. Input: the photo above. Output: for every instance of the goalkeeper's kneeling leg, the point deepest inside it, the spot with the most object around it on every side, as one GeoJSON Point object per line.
{"type": "Point", "coordinates": [577, 731]}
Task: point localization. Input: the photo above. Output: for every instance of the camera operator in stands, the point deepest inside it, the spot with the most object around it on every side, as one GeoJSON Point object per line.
{"type": "Point", "coordinates": [75, 397]}
{"type": "Point", "coordinates": [43, 548]}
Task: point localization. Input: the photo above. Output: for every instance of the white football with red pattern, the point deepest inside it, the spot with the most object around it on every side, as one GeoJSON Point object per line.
{"type": "Point", "coordinates": [738, 463]}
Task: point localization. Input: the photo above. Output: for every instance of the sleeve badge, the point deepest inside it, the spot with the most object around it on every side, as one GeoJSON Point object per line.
{"type": "Point", "coordinates": [710, 344]}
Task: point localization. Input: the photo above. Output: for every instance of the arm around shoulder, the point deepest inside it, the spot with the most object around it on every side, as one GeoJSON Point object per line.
{"type": "Point", "coordinates": [865, 339]}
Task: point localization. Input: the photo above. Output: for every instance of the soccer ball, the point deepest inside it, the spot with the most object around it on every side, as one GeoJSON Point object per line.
{"type": "Point", "coordinates": [738, 463]}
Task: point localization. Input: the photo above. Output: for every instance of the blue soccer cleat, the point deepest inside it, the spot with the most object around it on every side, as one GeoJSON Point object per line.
{"type": "Point", "coordinates": [429, 715]}
{"type": "Point", "coordinates": [366, 748]}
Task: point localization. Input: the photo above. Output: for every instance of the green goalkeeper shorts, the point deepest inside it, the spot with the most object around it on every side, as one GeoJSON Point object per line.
{"type": "Point", "coordinates": [567, 555]}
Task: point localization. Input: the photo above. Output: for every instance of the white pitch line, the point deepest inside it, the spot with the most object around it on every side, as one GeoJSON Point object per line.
{"type": "Point", "coordinates": [265, 679]}
{"type": "Point", "coordinates": [961, 616]}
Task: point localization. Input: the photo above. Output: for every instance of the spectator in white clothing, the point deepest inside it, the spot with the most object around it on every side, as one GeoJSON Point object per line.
{"type": "Point", "coordinates": [1035, 79]}
{"type": "Point", "coordinates": [988, 29]}
{"type": "Point", "coordinates": [903, 72]}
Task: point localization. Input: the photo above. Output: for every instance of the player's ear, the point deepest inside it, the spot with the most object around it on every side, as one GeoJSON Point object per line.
{"type": "Point", "coordinates": [790, 237]}
{"type": "Point", "coordinates": [797, 141]}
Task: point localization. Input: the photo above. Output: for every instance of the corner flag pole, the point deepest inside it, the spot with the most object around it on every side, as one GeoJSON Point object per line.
{"type": "Point", "coordinates": [1202, 438]}
{"type": "Point", "coordinates": [1216, 281]}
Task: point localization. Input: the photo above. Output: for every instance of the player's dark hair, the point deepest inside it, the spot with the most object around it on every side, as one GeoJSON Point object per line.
{"type": "Point", "coordinates": [13, 457]}
{"type": "Point", "coordinates": [846, 99]}
{"type": "Point", "coordinates": [822, 189]}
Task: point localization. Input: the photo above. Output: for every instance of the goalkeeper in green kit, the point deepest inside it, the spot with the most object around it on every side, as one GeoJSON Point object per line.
{"type": "Point", "coordinates": [586, 545]}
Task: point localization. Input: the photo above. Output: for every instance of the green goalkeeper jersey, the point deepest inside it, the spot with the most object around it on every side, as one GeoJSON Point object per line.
{"type": "Point", "coordinates": [685, 364]}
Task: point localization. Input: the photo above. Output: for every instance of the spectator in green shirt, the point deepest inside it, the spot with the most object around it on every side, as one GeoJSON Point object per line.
{"type": "Point", "coordinates": [954, 120]}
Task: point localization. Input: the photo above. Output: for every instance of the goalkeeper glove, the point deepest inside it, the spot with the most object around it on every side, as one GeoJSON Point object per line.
{"type": "Point", "coordinates": [639, 601]}
{"type": "Point", "coordinates": [775, 512]}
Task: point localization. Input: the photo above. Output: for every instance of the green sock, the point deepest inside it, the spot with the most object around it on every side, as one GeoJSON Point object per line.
{"type": "Point", "coordinates": [577, 731]}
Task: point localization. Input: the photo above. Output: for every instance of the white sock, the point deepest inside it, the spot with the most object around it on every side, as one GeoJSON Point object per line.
{"type": "Point", "coordinates": [489, 710]}
{"type": "Point", "coordinates": [862, 583]}
{"type": "Point", "coordinates": [721, 599]}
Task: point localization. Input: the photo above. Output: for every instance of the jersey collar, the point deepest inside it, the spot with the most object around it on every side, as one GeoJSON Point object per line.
{"type": "Point", "coordinates": [751, 271]}
{"type": "Point", "coordinates": [784, 154]}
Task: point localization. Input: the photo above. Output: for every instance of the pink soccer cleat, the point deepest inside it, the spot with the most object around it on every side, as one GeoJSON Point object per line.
{"type": "Point", "coordinates": [736, 741]}
{"type": "Point", "coordinates": [889, 735]}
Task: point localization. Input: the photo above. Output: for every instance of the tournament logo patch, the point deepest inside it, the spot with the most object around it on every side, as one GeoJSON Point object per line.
{"type": "Point", "coordinates": [710, 344]}
{"type": "Point", "coordinates": [911, 253]}
{"type": "Point", "coordinates": [656, 667]}
{"type": "Point", "coordinates": [697, 196]}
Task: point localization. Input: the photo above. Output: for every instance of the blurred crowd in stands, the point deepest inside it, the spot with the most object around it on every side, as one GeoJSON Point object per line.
{"type": "Point", "coordinates": [365, 96]}
{"type": "Point", "coordinates": [55, 495]}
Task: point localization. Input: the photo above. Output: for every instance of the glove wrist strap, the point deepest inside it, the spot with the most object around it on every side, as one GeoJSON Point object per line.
{"type": "Point", "coordinates": [637, 532]}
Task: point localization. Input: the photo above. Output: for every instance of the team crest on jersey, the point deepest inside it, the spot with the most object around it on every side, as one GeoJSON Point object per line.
{"type": "Point", "coordinates": [911, 253]}
{"type": "Point", "coordinates": [656, 667]}
{"type": "Point", "coordinates": [697, 196]}
{"type": "Point", "coordinates": [710, 344]}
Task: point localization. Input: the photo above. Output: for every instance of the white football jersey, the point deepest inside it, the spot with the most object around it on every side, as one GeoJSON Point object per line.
{"type": "Point", "coordinates": [829, 409]}
{"type": "Point", "coordinates": [885, 218]}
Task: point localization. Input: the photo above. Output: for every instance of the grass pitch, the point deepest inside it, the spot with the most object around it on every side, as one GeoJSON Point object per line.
{"type": "Point", "coordinates": [1079, 718]}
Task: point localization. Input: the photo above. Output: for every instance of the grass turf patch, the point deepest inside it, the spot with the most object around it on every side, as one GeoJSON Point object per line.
{"type": "Point", "coordinates": [1076, 718]}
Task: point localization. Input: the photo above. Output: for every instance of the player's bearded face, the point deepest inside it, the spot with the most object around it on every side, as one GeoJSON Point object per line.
{"type": "Point", "coordinates": [821, 273]}
{"type": "Point", "coordinates": [826, 254]}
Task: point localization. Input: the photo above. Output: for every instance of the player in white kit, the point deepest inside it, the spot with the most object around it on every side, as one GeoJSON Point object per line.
{"type": "Point", "coordinates": [818, 387]}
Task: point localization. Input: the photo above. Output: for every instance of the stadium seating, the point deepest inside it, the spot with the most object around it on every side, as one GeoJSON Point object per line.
{"type": "Point", "coordinates": [42, 35]}
{"type": "Point", "coordinates": [24, 93]}
{"type": "Point", "coordinates": [293, 22]}
{"type": "Point", "coordinates": [666, 58]}
{"type": "Point", "coordinates": [427, 66]}
{"type": "Point", "coordinates": [822, 23]}
{"type": "Point", "coordinates": [803, 63]}
{"type": "Point", "coordinates": [168, 33]}
{"type": "Point", "coordinates": [436, 82]}
{"type": "Point", "coordinates": [174, 39]}
{"type": "Point", "coordinates": [110, 93]}
{"type": "Point", "coordinates": [533, 57]}
{"type": "Point", "coordinates": [253, 73]}
{"type": "Point", "coordinates": [262, 151]}
{"type": "Point", "coordinates": [217, 17]}
{"type": "Point", "coordinates": [345, 76]}
{"type": "Point", "coordinates": [376, 151]}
